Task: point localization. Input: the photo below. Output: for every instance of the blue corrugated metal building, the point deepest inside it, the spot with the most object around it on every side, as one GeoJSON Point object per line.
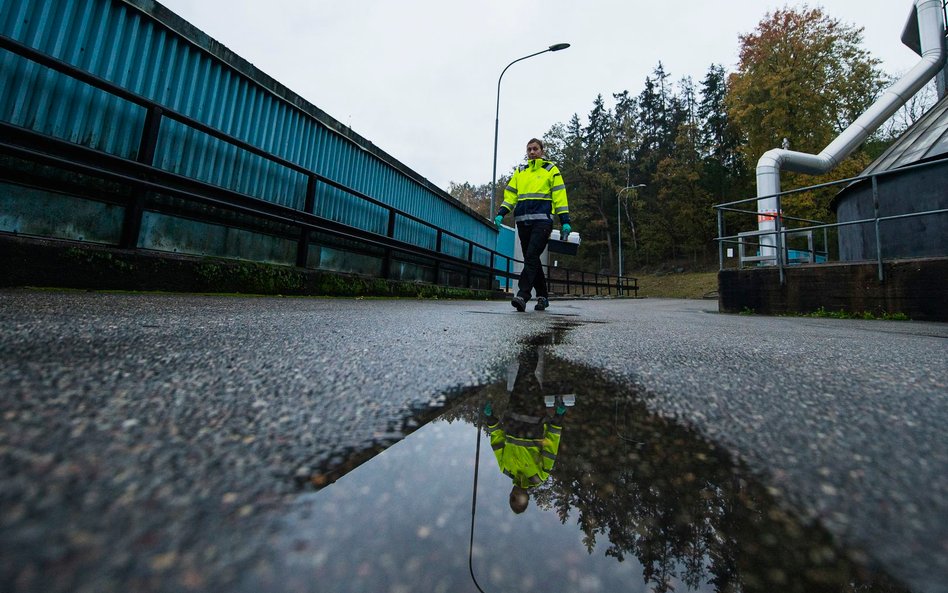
{"type": "Point", "coordinates": [141, 46]}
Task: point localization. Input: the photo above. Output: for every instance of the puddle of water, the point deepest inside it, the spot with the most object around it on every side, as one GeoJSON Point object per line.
{"type": "Point", "coordinates": [631, 502]}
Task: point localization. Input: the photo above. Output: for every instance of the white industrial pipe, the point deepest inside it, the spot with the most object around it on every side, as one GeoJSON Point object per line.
{"type": "Point", "coordinates": [931, 29]}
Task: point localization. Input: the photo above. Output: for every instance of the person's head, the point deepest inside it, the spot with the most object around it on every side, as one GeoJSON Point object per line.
{"type": "Point", "coordinates": [534, 149]}
{"type": "Point", "coordinates": [519, 499]}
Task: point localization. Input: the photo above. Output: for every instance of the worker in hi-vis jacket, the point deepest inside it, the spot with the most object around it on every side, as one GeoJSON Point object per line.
{"type": "Point", "coordinates": [526, 440]}
{"type": "Point", "coordinates": [535, 193]}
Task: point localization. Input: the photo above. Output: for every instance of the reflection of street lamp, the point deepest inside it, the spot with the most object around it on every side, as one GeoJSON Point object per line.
{"type": "Point", "coordinates": [619, 220]}
{"type": "Point", "coordinates": [493, 179]}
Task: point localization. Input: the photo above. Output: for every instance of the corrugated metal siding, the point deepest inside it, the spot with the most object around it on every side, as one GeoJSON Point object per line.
{"type": "Point", "coordinates": [34, 97]}
{"type": "Point", "coordinates": [506, 239]}
{"type": "Point", "coordinates": [114, 40]}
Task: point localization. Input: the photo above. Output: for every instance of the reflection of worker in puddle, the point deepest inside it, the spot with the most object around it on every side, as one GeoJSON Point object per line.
{"type": "Point", "coordinates": [527, 438]}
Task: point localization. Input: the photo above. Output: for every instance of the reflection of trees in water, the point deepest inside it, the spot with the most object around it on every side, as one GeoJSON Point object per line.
{"type": "Point", "coordinates": [681, 507]}
{"type": "Point", "coordinates": [685, 510]}
{"type": "Point", "coordinates": [664, 502]}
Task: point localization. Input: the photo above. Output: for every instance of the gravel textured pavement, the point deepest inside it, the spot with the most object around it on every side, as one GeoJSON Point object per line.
{"type": "Point", "coordinates": [148, 439]}
{"type": "Point", "coordinates": [848, 419]}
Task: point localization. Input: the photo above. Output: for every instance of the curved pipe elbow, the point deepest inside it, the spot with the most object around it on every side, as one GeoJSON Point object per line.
{"type": "Point", "coordinates": [772, 161]}
{"type": "Point", "coordinates": [768, 172]}
{"type": "Point", "coordinates": [773, 158]}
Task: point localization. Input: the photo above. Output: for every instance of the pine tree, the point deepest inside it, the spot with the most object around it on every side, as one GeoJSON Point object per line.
{"type": "Point", "coordinates": [725, 171]}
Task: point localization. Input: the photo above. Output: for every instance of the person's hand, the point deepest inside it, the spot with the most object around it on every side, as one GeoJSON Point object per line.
{"type": "Point", "coordinates": [488, 410]}
{"type": "Point", "coordinates": [497, 221]}
{"type": "Point", "coordinates": [566, 231]}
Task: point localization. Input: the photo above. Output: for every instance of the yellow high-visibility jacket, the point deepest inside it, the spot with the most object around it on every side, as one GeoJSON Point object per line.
{"type": "Point", "coordinates": [535, 193]}
{"type": "Point", "coordinates": [527, 462]}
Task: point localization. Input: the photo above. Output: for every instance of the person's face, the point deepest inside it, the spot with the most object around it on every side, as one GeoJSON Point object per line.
{"type": "Point", "coordinates": [534, 151]}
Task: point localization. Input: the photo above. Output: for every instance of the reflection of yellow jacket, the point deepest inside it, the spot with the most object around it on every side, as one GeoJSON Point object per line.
{"type": "Point", "coordinates": [527, 462]}
{"type": "Point", "coordinates": [535, 193]}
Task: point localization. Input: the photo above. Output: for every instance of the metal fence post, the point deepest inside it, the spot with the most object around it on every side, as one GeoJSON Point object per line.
{"type": "Point", "coordinates": [387, 258]}
{"type": "Point", "coordinates": [781, 241]}
{"type": "Point", "coordinates": [507, 277]}
{"type": "Point", "coordinates": [148, 145]}
{"type": "Point", "coordinates": [493, 270]}
{"type": "Point", "coordinates": [309, 205]}
{"type": "Point", "coordinates": [875, 209]}
{"type": "Point", "coordinates": [439, 239]}
{"type": "Point", "coordinates": [470, 260]}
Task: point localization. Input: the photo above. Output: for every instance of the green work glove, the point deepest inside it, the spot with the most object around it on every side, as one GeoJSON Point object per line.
{"type": "Point", "coordinates": [565, 232]}
{"type": "Point", "coordinates": [488, 410]}
{"type": "Point", "coordinates": [497, 220]}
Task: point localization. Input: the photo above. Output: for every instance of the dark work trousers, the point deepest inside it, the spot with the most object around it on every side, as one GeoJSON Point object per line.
{"type": "Point", "coordinates": [533, 240]}
{"type": "Point", "coordinates": [526, 413]}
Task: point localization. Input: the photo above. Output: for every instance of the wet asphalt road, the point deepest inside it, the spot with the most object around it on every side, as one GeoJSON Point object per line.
{"type": "Point", "coordinates": [148, 440]}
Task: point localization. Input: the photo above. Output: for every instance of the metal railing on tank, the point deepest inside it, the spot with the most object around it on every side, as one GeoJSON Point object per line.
{"type": "Point", "coordinates": [781, 251]}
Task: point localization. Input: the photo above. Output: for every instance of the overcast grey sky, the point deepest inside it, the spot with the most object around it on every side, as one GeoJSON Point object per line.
{"type": "Point", "coordinates": [418, 78]}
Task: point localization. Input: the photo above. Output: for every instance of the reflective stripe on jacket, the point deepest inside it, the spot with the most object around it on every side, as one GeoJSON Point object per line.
{"type": "Point", "coordinates": [535, 193]}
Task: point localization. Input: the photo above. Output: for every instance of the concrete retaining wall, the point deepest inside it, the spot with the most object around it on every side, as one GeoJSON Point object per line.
{"type": "Point", "coordinates": [918, 288]}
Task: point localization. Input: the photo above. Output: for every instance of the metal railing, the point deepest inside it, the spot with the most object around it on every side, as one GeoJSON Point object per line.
{"type": "Point", "coordinates": [778, 254]}
{"type": "Point", "coordinates": [144, 178]}
{"type": "Point", "coordinates": [563, 281]}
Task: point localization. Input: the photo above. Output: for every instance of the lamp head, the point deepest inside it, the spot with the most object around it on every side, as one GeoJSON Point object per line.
{"type": "Point", "coordinates": [558, 46]}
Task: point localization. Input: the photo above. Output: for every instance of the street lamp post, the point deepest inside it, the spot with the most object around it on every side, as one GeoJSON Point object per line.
{"type": "Point", "coordinates": [493, 182]}
{"type": "Point", "coordinates": [619, 221]}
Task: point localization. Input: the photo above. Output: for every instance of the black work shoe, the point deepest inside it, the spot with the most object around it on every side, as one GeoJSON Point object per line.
{"type": "Point", "coordinates": [518, 303]}
{"type": "Point", "coordinates": [542, 304]}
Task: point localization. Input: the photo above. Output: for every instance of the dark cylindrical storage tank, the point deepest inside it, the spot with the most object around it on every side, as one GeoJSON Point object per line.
{"type": "Point", "coordinates": [914, 190]}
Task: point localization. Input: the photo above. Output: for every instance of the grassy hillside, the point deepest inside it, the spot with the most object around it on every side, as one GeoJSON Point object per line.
{"type": "Point", "coordinates": [684, 285]}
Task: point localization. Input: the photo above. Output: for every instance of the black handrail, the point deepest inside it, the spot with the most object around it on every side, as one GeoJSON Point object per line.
{"type": "Point", "coordinates": [148, 178]}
